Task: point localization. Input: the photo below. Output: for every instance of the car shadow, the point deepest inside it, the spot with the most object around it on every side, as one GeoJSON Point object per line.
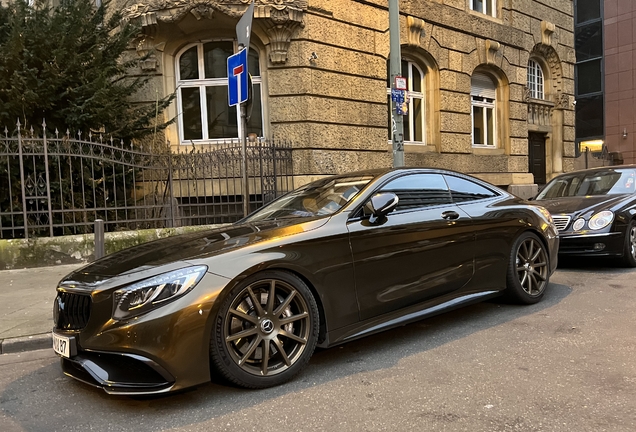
{"type": "Point", "coordinates": [82, 406]}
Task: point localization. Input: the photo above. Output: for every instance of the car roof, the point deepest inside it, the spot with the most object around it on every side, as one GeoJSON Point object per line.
{"type": "Point", "coordinates": [601, 168]}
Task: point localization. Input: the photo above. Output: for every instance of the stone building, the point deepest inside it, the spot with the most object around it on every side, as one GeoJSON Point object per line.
{"type": "Point", "coordinates": [491, 82]}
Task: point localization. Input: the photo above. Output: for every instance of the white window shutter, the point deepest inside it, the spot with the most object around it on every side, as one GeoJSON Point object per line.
{"type": "Point", "coordinates": [483, 86]}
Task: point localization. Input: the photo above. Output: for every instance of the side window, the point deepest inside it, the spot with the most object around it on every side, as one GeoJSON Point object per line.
{"type": "Point", "coordinates": [419, 190]}
{"type": "Point", "coordinates": [463, 190]}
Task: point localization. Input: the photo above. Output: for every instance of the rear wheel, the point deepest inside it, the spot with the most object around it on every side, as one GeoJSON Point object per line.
{"type": "Point", "coordinates": [629, 252]}
{"type": "Point", "coordinates": [265, 331]}
{"type": "Point", "coordinates": [528, 269]}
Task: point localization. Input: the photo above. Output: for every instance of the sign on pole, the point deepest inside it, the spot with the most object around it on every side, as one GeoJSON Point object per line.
{"type": "Point", "coordinates": [244, 27]}
{"type": "Point", "coordinates": [237, 78]}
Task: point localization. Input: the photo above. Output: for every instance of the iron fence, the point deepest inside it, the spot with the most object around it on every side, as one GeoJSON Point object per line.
{"type": "Point", "coordinates": [60, 184]}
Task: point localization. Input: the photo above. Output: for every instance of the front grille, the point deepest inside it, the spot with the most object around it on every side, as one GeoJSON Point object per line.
{"type": "Point", "coordinates": [561, 222]}
{"type": "Point", "coordinates": [71, 311]}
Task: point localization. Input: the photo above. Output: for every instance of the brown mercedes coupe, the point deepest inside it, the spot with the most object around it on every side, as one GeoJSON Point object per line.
{"type": "Point", "coordinates": [335, 260]}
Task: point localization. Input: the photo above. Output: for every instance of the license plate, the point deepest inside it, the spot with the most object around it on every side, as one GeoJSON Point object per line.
{"type": "Point", "coordinates": [62, 345]}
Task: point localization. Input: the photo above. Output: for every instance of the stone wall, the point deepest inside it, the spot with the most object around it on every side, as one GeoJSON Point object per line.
{"type": "Point", "coordinates": [77, 249]}
{"type": "Point", "coordinates": [333, 106]}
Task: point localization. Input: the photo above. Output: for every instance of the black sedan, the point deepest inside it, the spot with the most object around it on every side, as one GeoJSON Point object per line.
{"type": "Point", "coordinates": [595, 212]}
{"type": "Point", "coordinates": [335, 260]}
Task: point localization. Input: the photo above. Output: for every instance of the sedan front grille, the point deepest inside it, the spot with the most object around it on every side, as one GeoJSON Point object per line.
{"type": "Point", "coordinates": [71, 311]}
{"type": "Point", "coordinates": [561, 221]}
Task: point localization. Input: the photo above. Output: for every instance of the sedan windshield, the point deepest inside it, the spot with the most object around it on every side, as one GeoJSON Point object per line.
{"type": "Point", "coordinates": [320, 198]}
{"type": "Point", "coordinates": [608, 182]}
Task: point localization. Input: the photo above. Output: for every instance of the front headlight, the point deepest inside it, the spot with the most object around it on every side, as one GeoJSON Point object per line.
{"type": "Point", "coordinates": [151, 293]}
{"type": "Point", "coordinates": [578, 224]}
{"type": "Point", "coordinates": [601, 220]}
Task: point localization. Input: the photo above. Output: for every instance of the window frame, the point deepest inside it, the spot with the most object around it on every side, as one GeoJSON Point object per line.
{"type": "Point", "coordinates": [486, 104]}
{"type": "Point", "coordinates": [484, 9]}
{"type": "Point", "coordinates": [412, 95]}
{"type": "Point", "coordinates": [535, 80]}
{"type": "Point", "coordinates": [202, 83]}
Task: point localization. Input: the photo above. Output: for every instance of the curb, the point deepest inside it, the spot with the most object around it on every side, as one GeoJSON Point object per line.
{"type": "Point", "coordinates": [26, 343]}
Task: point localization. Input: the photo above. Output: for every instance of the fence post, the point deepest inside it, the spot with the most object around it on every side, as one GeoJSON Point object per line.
{"type": "Point", "coordinates": [24, 204]}
{"type": "Point", "coordinates": [48, 182]}
{"type": "Point", "coordinates": [99, 239]}
{"type": "Point", "coordinates": [173, 209]}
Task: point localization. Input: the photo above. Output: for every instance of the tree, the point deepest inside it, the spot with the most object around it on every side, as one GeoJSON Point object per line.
{"type": "Point", "coordinates": [67, 65]}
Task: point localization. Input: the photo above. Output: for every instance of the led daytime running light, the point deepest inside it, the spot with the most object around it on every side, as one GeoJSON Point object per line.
{"type": "Point", "coordinates": [151, 293]}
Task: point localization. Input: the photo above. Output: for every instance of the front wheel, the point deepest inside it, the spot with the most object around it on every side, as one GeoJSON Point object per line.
{"type": "Point", "coordinates": [528, 269]}
{"type": "Point", "coordinates": [265, 331]}
{"type": "Point", "coordinates": [629, 252]}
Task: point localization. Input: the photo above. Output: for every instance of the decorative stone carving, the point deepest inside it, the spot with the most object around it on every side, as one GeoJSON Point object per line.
{"type": "Point", "coordinates": [526, 94]}
{"type": "Point", "coordinates": [547, 29]}
{"type": "Point", "coordinates": [563, 101]}
{"type": "Point", "coordinates": [492, 47]}
{"type": "Point", "coordinates": [278, 17]}
{"type": "Point", "coordinates": [415, 28]}
{"type": "Point", "coordinates": [280, 38]}
{"type": "Point", "coordinates": [146, 49]}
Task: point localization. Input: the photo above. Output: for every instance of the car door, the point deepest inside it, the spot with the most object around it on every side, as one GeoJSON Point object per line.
{"type": "Point", "coordinates": [495, 225]}
{"type": "Point", "coordinates": [421, 250]}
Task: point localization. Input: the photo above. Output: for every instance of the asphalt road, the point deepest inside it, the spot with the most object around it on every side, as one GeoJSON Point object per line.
{"type": "Point", "coordinates": [566, 364]}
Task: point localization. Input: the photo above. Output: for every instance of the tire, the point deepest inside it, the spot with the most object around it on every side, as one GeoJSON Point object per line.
{"type": "Point", "coordinates": [629, 249]}
{"type": "Point", "coordinates": [528, 270]}
{"type": "Point", "coordinates": [265, 330]}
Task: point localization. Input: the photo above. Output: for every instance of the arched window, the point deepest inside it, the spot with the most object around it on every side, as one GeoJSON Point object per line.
{"type": "Point", "coordinates": [483, 94]}
{"type": "Point", "coordinates": [414, 121]}
{"type": "Point", "coordinates": [535, 80]}
{"type": "Point", "coordinates": [202, 94]}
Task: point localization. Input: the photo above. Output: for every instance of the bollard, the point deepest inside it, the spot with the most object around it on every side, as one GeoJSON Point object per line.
{"type": "Point", "coordinates": [99, 238]}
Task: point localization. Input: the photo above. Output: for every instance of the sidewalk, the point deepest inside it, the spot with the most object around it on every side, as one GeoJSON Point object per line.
{"type": "Point", "coordinates": [26, 306]}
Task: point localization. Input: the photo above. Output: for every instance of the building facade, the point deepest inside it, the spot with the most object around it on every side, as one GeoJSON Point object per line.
{"type": "Point", "coordinates": [491, 82]}
{"type": "Point", "coordinates": [619, 28]}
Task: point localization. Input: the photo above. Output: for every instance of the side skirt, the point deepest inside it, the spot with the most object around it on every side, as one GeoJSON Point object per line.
{"type": "Point", "coordinates": [403, 317]}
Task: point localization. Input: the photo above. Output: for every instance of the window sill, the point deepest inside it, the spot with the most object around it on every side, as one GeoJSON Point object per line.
{"type": "Point", "coordinates": [486, 151]}
{"type": "Point", "coordinates": [486, 16]}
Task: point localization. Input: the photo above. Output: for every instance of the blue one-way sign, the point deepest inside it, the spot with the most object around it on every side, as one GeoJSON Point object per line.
{"type": "Point", "coordinates": [237, 77]}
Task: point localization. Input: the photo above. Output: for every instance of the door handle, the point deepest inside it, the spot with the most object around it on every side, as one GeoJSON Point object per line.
{"type": "Point", "coordinates": [450, 215]}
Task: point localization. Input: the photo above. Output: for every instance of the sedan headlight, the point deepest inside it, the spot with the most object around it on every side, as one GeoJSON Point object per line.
{"type": "Point", "coordinates": [578, 224]}
{"type": "Point", "coordinates": [601, 220]}
{"type": "Point", "coordinates": [154, 292]}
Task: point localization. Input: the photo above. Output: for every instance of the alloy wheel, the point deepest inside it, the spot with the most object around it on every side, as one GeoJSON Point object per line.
{"type": "Point", "coordinates": [532, 266]}
{"type": "Point", "coordinates": [632, 240]}
{"type": "Point", "coordinates": [267, 327]}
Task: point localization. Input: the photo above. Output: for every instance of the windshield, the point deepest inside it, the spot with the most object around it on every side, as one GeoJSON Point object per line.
{"type": "Point", "coordinates": [320, 198]}
{"type": "Point", "coordinates": [609, 182]}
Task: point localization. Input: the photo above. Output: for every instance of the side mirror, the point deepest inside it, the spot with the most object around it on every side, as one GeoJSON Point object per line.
{"type": "Point", "coordinates": [382, 204]}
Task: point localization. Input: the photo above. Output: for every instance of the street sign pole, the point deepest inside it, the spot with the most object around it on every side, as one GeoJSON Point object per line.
{"type": "Point", "coordinates": [395, 66]}
{"type": "Point", "coordinates": [246, 185]}
{"type": "Point", "coordinates": [243, 33]}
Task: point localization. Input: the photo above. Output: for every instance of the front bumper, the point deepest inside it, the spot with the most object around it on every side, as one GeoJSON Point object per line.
{"type": "Point", "coordinates": [163, 350]}
{"type": "Point", "coordinates": [122, 374]}
{"type": "Point", "coordinates": [595, 244]}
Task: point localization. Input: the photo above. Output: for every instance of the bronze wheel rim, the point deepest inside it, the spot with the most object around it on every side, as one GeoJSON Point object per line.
{"type": "Point", "coordinates": [532, 266]}
{"type": "Point", "coordinates": [267, 327]}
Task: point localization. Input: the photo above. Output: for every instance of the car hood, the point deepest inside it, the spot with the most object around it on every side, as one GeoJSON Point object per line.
{"type": "Point", "coordinates": [181, 248]}
{"type": "Point", "coordinates": [580, 205]}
